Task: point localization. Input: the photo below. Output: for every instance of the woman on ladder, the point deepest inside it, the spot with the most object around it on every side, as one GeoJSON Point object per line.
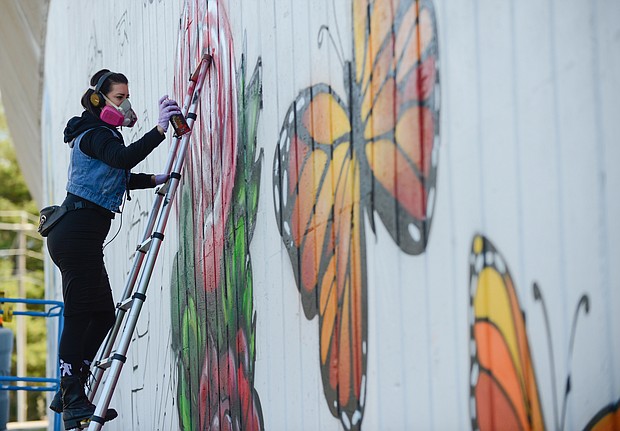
{"type": "Point", "coordinates": [99, 177]}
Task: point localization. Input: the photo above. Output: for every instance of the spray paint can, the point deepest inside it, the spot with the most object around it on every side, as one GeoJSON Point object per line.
{"type": "Point", "coordinates": [179, 124]}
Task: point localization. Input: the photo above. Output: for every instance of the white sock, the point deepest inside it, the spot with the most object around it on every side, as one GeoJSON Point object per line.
{"type": "Point", "coordinates": [65, 369]}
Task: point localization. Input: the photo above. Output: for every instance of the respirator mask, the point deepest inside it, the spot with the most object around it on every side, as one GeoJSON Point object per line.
{"type": "Point", "coordinates": [121, 115]}
{"type": "Point", "coordinates": [114, 115]}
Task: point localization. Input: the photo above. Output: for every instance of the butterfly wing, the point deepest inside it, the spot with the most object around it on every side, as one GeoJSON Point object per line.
{"type": "Point", "coordinates": [607, 419]}
{"type": "Point", "coordinates": [504, 392]}
{"type": "Point", "coordinates": [397, 98]}
{"type": "Point", "coordinates": [317, 200]}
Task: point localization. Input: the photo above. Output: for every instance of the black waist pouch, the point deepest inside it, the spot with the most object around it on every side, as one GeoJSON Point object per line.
{"type": "Point", "coordinates": [50, 216]}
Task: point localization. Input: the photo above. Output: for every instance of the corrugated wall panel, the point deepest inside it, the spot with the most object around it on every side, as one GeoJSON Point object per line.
{"type": "Point", "coordinates": [394, 214]}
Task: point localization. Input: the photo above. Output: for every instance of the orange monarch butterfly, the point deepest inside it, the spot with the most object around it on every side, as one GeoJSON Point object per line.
{"type": "Point", "coordinates": [336, 159]}
{"type": "Point", "coordinates": [504, 391]}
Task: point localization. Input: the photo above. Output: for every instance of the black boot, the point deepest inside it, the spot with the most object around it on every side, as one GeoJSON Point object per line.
{"type": "Point", "coordinates": [56, 404]}
{"type": "Point", "coordinates": [77, 410]}
{"type": "Point", "coordinates": [75, 404]}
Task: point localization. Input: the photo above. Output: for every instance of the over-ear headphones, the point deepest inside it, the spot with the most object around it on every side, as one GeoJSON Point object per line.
{"type": "Point", "coordinates": [97, 97]}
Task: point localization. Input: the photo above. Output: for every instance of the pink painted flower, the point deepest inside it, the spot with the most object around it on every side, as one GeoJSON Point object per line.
{"type": "Point", "coordinates": [213, 146]}
{"type": "Point", "coordinates": [227, 400]}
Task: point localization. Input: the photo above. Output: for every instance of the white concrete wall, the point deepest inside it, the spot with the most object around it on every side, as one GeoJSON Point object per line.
{"type": "Point", "coordinates": [526, 156]}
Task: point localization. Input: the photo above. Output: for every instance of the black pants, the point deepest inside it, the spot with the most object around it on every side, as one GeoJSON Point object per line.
{"type": "Point", "coordinates": [76, 247]}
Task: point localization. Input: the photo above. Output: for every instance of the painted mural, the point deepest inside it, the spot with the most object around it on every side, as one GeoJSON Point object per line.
{"type": "Point", "coordinates": [340, 158]}
{"type": "Point", "coordinates": [410, 319]}
{"type": "Point", "coordinates": [213, 317]}
{"type": "Point", "coordinates": [504, 390]}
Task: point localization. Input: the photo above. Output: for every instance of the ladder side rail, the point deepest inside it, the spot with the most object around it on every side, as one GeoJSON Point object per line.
{"type": "Point", "coordinates": [139, 297]}
{"type": "Point", "coordinates": [172, 156]}
{"type": "Point", "coordinates": [119, 357]}
{"type": "Point", "coordinates": [110, 340]}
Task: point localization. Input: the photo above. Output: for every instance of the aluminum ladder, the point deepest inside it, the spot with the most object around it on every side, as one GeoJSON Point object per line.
{"type": "Point", "coordinates": [147, 251]}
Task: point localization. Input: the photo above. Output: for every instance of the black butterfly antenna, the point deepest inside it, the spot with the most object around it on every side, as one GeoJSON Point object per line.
{"type": "Point", "coordinates": [339, 51]}
{"type": "Point", "coordinates": [584, 302]}
{"type": "Point", "coordinates": [538, 297]}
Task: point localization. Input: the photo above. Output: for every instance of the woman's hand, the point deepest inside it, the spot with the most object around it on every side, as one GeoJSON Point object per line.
{"type": "Point", "coordinates": [159, 179]}
{"type": "Point", "coordinates": [167, 108]}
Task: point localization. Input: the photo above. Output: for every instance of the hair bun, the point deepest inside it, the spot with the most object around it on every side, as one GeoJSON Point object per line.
{"type": "Point", "coordinates": [96, 76]}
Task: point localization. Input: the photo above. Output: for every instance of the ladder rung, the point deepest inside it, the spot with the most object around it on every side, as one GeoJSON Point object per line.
{"type": "Point", "coordinates": [163, 189]}
{"type": "Point", "coordinates": [107, 362]}
{"type": "Point", "coordinates": [125, 305]}
{"type": "Point", "coordinates": [144, 247]}
{"type": "Point", "coordinates": [104, 364]}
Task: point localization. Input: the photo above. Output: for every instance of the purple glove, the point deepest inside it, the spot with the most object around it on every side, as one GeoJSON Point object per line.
{"type": "Point", "coordinates": [167, 108]}
{"type": "Point", "coordinates": [161, 178]}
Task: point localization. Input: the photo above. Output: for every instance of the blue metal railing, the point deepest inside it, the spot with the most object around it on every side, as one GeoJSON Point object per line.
{"type": "Point", "coordinates": [50, 384]}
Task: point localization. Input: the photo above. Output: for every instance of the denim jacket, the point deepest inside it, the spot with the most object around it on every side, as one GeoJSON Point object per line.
{"type": "Point", "coordinates": [94, 180]}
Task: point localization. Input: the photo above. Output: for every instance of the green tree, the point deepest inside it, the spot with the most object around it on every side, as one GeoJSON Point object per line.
{"type": "Point", "coordinates": [14, 195]}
